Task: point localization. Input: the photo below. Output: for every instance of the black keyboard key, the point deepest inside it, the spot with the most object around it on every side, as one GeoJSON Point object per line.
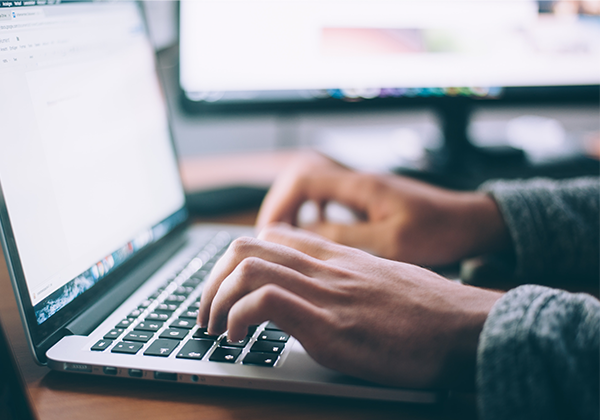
{"type": "Point", "coordinates": [125, 323]}
{"type": "Point", "coordinates": [139, 336]}
{"type": "Point", "coordinates": [149, 326]}
{"type": "Point", "coordinates": [195, 305]}
{"type": "Point", "coordinates": [260, 359]}
{"type": "Point", "coordinates": [145, 303]}
{"type": "Point", "coordinates": [135, 313]}
{"type": "Point", "coordinates": [156, 294]}
{"type": "Point", "coordinates": [183, 290]}
{"type": "Point", "coordinates": [267, 347]}
{"type": "Point", "coordinates": [195, 349]}
{"type": "Point", "coordinates": [184, 323]}
{"type": "Point", "coordinates": [201, 333]}
{"type": "Point", "coordinates": [251, 330]}
{"type": "Point", "coordinates": [157, 316]}
{"type": "Point", "coordinates": [200, 274]}
{"type": "Point", "coordinates": [191, 282]}
{"type": "Point", "coordinates": [127, 348]}
{"type": "Point", "coordinates": [274, 336]}
{"type": "Point", "coordinates": [112, 334]}
{"type": "Point", "coordinates": [196, 279]}
{"type": "Point", "coordinates": [161, 348]}
{"type": "Point", "coordinates": [101, 345]}
{"type": "Point", "coordinates": [225, 354]}
{"type": "Point", "coordinates": [241, 343]}
{"type": "Point", "coordinates": [272, 326]}
{"type": "Point", "coordinates": [175, 299]}
{"type": "Point", "coordinates": [166, 307]}
{"type": "Point", "coordinates": [174, 333]}
{"type": "Point", "coordinates": [189, 314]}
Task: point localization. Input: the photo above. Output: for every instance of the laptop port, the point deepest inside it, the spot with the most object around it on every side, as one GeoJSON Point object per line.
{"type": "Point", "coordinates": [108, 370]}
{"type": "Point", "coordinates": [165, 376]}
{"type": "Point", "coordinates": [78, 367]}
{"type": "Point", "coordinates": [136, 373]}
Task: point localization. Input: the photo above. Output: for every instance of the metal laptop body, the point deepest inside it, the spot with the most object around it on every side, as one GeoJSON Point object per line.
{"type": "Point", "coordinates": [112, 152]}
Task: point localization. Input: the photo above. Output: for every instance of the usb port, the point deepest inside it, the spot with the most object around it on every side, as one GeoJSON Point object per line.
{"type": "Point", "coordinates": [136, 373]}
{"type": "Point", "coordinates": [108, 370]}
{"type": "Point", "coordinates": [165, 376]}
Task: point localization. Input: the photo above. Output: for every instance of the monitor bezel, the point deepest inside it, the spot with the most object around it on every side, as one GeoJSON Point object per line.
{"type": "Point", "coordinates": [529, 95]}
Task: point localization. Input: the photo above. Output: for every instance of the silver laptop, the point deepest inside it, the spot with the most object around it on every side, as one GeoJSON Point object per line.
{"type": "Point", "coordinates": [106, 269]}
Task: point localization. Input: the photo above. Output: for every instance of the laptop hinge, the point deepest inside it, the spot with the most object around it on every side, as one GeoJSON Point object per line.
{"type": "Point", "coordinates": [89, 319]}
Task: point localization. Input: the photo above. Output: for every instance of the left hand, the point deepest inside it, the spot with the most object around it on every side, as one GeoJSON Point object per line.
{"type": "Point", "coordinates": [380, 320]}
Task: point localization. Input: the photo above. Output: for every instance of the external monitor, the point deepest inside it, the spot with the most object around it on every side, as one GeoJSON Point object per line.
{"type": "Point", "coordinates": [278, 54]}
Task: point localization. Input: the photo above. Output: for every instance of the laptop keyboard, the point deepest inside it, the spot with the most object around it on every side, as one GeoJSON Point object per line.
{"type": "Point", "coordinates": [165, 322]}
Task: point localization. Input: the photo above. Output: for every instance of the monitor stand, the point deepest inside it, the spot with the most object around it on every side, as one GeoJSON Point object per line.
{"type": "Point", "coordinates": [461, 165]}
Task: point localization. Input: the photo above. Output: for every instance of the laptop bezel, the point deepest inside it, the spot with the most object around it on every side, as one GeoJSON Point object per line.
{"type": "Point", "coordinates": [42, 336]}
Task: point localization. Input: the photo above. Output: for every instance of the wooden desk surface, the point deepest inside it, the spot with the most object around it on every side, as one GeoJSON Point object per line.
{"type": "Point", "coordinates": [65, 396]}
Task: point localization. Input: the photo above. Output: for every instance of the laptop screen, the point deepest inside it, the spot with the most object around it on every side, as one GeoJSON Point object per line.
{"type": "Point", "coordinates": [87, 168]}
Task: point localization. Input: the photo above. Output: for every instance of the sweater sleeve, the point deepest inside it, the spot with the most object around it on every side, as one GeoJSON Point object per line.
{"type": "Point", "coordinates": [554, 226]}
{"type": "Point", "coordinates": [538, 356]}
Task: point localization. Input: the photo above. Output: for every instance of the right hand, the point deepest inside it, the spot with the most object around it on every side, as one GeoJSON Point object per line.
{"type": "Point", "coordinates": [380, 320]}
{"type": "Point", "coordinates": [401, 218]}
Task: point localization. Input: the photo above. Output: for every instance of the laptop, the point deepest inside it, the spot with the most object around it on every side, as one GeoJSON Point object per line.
{"type": "Point", "coordinates": [106, 267]}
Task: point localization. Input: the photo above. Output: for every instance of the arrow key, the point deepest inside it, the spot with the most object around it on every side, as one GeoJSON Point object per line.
{"type": "Point", "coordinates": [225, 354]}
{"type": "Point", "coordinates": [161, 348]}
{"type": "Point", "coordinates": [174, 333]}
{"type": "Point", "coordinates": [195, 349]}
{"type": "Point", "coordinates": [128, 348]}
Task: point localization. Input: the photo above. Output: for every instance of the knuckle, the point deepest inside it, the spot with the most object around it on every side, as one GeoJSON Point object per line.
{"type": "Point", "coordinates": [374, 183]}
{"type": "Point", "coordinates": [271, 230]}
{"type": "Point", "coordinates": [250, 267]}
{"type": "Point", "coordinates": [241, 246]}
{"type": "Point", "coordinates": [269, 295]}
{"type": "Point", "coordinates": [336, 233]}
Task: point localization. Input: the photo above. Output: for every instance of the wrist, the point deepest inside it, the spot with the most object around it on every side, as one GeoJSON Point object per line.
{"type": "Point", "coordinates": [483, 225]}
{"type": "Point", "coordinates": [461, 360]}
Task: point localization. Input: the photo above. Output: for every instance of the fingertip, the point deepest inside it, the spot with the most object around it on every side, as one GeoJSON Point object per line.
{"type": "Point", "coordinates": [201, 320]}
{"type": "Point", "coordinates": [236, 334]}
{"type": "Point", "coordinates": [215, 326]}
{"type": "Point", "coordinates": [215, 329]}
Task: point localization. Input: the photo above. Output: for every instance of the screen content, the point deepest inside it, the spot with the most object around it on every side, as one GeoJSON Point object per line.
{"type": "Point", "coordinates": [87, 169]}
{"type": "Point", "coordinates": [303, 49]}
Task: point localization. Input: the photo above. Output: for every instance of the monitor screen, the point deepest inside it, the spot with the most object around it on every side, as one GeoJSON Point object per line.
{"type": "Point", "coordinates": [303, 50]}
{"type": "Point", "coordinates": [87, 168]}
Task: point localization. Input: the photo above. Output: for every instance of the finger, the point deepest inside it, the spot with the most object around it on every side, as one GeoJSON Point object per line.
{"type": "Point", "coordinates": [368, 236]}
{"type": "Point", "coordinates": [306, 242]}
{"type": "Point", "coordinates": [243, 248]}
{"type": "Point", "coordinates": [293, 314]}
{"type": "Point", "coordinates": [286, 196]}
{"type": "Point", "coordinates": [250, 275]}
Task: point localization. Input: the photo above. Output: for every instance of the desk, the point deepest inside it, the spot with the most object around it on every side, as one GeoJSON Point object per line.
{"type": "Point", "coordinates": [65, 396]}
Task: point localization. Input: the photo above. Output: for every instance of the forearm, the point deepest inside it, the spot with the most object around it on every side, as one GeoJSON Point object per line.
{"type": "Point", "coordinates": [538, 356]}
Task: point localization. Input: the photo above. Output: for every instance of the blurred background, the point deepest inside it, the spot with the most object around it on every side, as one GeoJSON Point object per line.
{"type": "Point", "coordinates": [451, 92]}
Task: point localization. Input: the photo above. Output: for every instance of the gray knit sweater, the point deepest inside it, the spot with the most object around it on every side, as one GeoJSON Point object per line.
{"type": "Point", "coordinates": [538, 354]}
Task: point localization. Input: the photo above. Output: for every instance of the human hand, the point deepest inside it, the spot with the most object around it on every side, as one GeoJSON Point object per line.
{"type": "Point", "coordinates": [401, 218]}
{"type": "Point", "coordinates": [380, 320]}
